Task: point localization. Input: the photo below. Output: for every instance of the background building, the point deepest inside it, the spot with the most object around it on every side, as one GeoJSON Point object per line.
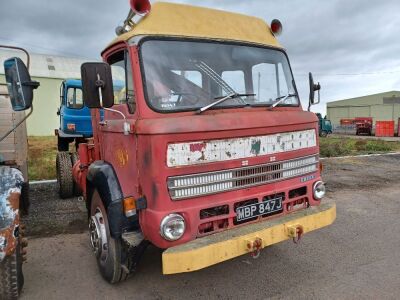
{"type": "Point", "coordinates": [50, 71]}
{"type": "Point", "coordinates": [381, 107]}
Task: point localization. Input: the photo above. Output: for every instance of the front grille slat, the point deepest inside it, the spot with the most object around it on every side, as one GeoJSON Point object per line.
{"type": "Point", "coordinates": [188, 186]}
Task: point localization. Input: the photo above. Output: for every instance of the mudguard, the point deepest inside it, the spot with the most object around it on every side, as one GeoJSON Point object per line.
{"type": "Point", "coordinates": [102, 177]}
{"type": "Point", "coordinates": [11, 181]}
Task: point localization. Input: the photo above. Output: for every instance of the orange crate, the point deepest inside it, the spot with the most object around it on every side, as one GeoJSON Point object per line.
{"type": "Point", "coordinates": [384, 128]}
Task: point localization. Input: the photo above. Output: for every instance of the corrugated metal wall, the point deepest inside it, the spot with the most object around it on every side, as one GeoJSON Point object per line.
{"type": "Point", "coordinates": [368, 106]}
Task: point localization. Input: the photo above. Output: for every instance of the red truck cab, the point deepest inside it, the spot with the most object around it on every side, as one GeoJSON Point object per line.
{"type": "Point", "coordinates": [206, 153]}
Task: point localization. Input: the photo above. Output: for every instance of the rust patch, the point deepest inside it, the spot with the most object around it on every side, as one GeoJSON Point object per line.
{"type": "Point", "coordinates": [10, 190]}
{"type": "Point", "coordinates": [122, 157]}
{"type": "Point", "coordinates": [154, 191]}
{"type": "Point", "coordinates": [202, 157]}
{"type": "Point", "coordinates": [8, 239]}
{"type": "Point", "coordinates": [147, 159]}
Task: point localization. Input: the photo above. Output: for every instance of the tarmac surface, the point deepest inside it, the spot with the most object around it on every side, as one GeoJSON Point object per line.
{"type": "Point", "coordinates": [358, 257]}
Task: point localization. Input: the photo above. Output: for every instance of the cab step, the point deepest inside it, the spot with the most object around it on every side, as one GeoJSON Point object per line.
{"type": "Point", "coordinates": [133, 238]}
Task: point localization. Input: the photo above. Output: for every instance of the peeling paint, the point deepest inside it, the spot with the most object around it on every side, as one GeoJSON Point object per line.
{"type": "Point", "coordinates": [198, 152]}
{"type": "Point", "coordinates": [197, 147]}
{"type": "Point", "coordinates": [10, 182]}
{"type": "Point", "coordinates": [255, 146]}
{"type": "Point", "coordinates": [122, 157]}
{"type": "Point", "coordinates": [3, 244]}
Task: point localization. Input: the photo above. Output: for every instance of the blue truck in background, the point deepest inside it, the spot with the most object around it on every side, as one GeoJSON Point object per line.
{"type": "Point", "coordinates": [75, 126]}
{"type": "Point", "coordinates": [75, 118]}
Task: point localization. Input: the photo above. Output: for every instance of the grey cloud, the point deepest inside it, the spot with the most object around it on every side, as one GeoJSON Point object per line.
{"type": "Point", "coordinates": [326, 37]}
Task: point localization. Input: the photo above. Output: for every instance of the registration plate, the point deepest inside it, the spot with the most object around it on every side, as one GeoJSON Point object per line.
{"type": "Point", "coordinates": [259, 209]}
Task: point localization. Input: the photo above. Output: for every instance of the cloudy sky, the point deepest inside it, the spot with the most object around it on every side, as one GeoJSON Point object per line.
{"type": "Point", "coordinates": [350, 46]}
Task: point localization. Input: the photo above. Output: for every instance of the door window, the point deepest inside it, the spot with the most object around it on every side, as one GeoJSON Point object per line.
{"type": "Point", "coordinates": [74, 98]}
{"type": "Point", "coordinates": [121, 70]}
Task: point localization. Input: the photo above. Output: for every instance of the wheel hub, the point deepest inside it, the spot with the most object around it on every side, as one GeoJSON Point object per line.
{"type": "Point", "coordinates": [98, 235]}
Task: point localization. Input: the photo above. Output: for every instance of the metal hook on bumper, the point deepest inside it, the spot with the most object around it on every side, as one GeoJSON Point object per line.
{"type": "Point", "coordinates": [254, 247]}
{"type": "Point", "coordinates": [295, 232]}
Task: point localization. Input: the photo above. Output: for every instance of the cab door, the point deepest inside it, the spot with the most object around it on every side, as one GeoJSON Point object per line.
{"type": "Point", "coordinates": [119, 148]}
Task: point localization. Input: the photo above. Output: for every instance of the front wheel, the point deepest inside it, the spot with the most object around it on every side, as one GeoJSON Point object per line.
{"type": "Point", "coordinates": [64, 175]}
{"type": "Point", "coordinates": [109, 252]}
{"type": "Point", "coordinates": [323, 133]}
{"type": "Point", "coordinates": [11, 276]}
{"type": "Point", "coordinates": [62, 143]}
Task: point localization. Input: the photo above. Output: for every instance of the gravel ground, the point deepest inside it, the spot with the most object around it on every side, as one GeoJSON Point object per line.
{"type": "Point", "coordinates": [49, 215]}
{"type": "Point", "coordinates": [355, 258]}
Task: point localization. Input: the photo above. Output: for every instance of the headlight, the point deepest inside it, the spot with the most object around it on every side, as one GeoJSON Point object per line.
{"type": "Point", "coordinates": [172, 227]}
{"type": "Point", "coordinates": [319, 190]}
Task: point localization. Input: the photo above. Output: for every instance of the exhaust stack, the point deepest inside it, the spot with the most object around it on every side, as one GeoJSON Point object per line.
{"type": "Point", "coordinates": [138, 7]}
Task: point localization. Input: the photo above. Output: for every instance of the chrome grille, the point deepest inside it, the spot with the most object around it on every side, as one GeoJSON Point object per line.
{"type": "Point", "coordinates": [187, 186]}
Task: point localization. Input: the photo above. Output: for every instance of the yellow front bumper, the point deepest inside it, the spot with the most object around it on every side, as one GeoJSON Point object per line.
{"type": "Point", "coordinates": [219, 247]}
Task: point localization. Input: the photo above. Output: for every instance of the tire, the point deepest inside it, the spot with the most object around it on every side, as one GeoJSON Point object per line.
{"type": "Point", "coordinates": [77, 190]}
{"type": "Point", "coordinates": [109, 260]}
{"type": "Point", "coordinates": [323, 133]}
{"type": "Point", "coordinates": [64, 175]}
{"type": "Point", "coordinates": [11, 276]}
{"type": "Point", "coordinates": [62, 144]}
{"type": "Point", "coordinates": [24, 202]}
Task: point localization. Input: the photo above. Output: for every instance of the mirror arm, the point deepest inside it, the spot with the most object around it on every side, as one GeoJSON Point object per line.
{"type": "Point", "coordinates": [100, 85]}
{"type": "Point", "coordinates": [16, 126]}
{"type": "Point", "coordinates": [33, 84]}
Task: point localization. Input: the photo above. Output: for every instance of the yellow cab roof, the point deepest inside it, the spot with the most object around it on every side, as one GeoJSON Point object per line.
{"type": "Point", "coordinates": [170, 19]}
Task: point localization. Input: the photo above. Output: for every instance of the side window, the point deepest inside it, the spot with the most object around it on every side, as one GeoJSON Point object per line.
{"type": "Point", "coordinates": [236, 79]}
{"type": "Point", "coordinates": [283, 86]}
{"type": "Point", "coordinates": [74, 98]}
{"type": "Point", "coordinates": [121, 70]}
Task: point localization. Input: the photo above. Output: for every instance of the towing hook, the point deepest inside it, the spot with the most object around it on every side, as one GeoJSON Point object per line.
{"type": "Point", "coordinates": [255, 247]}
{"type": "Point", "coordinates": [295, 232]}
{"type": "Point", "coordinates": [299, 233]}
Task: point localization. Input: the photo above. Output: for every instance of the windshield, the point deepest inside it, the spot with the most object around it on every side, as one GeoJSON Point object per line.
{"type": "Point", "coordinates": [188, 75]}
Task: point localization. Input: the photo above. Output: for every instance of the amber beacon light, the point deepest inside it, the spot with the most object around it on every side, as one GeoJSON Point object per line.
{"type": "Point", "coordinates": [276, 27]}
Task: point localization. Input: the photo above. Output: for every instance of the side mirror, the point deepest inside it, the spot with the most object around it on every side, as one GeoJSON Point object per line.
{"type": "Point", "coordinates": [19, 84]}
{"type": "Point", "coordinates": [313, 88]}
{"type": "Point", "coordinates": [97, 85]}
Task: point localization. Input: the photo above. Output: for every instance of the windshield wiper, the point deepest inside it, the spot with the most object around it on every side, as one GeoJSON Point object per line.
{"type": "Point", "coordinates": [281, 99]}
{"type": "Point", "coordinates": [222, 99]}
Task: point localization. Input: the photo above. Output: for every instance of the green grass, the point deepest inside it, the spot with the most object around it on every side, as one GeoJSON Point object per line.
{"type": "Point", "coordinates": [43, 150]}
{"type": "Point", "coordinates": [42, 153]}
{"type": "Point", "coordinates": [331, 147]}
